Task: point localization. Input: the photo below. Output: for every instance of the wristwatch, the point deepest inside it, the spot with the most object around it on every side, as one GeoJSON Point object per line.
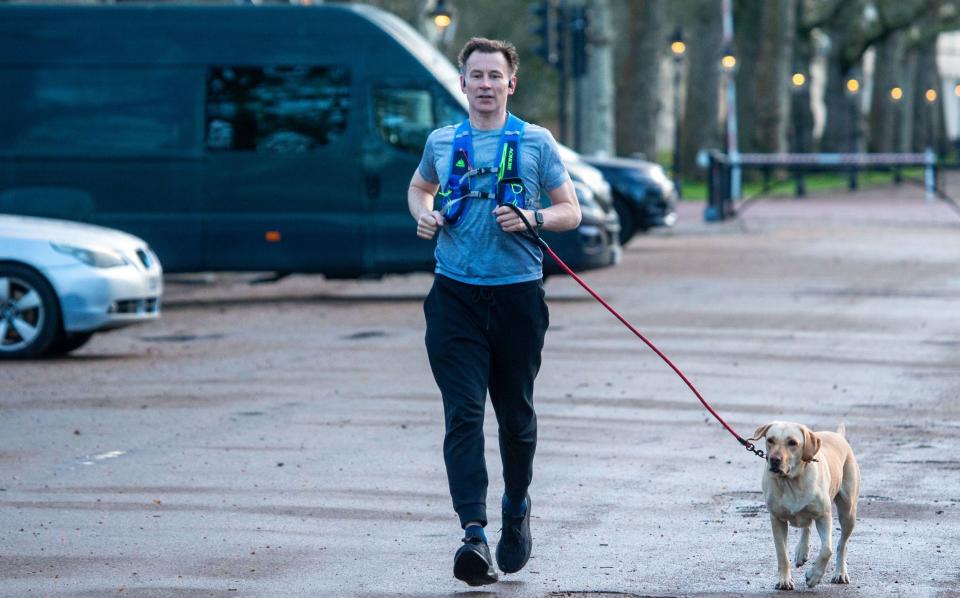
{"type": "Point", "coordinates": [538, 216]}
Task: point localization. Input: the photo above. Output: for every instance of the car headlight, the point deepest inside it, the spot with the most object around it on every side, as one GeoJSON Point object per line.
{"type": "Point", "coordinates": [657, 174]}
{"type": "Point", "coordinates": [97, 258]}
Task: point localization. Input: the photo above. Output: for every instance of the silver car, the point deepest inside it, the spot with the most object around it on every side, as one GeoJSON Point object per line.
{"type": "Point", "coordinates": [60, 282]}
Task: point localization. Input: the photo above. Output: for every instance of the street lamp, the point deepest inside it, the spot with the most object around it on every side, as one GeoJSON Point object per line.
{"type": "Point", "coordinates": [896, 96]}
{"type": "Point", "coordinates": [678, 48]}
{"type": "Point", "coordinates": [440, 22]}
{"type": "Point", "coordinates": [801, 100]}
{"type": "Point", "coordinates": [852, 86]}
{"type": "Point", "coordinates": [728, 61]}
{"type": "Point", "coordinates": [798, 86]}
{"type": "Point", "coordinates": [724, 178]}
{"type": "Point", "coordinates": [931, 96]}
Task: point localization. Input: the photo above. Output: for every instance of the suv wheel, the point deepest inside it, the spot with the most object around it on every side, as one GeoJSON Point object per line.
{"type": "Point", "coordinates": [628, 223]}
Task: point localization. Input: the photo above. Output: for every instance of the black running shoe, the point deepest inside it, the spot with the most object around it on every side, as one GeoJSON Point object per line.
{"type": "Point", "coordinates": [472, 563]}
{"type": "Point", "coordinates": [513, 550]}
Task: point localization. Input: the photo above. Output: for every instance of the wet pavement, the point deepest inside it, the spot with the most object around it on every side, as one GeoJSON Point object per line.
{"type": "Point", "coordinates": [285, 439]}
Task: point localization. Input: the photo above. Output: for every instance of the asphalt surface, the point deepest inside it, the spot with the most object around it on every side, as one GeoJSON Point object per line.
{"type": "Point", "coordinates": [285, 439]}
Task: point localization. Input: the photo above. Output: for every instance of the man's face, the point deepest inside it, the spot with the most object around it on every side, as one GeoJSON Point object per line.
{"type": "Point", "coordinates": [487, 82]}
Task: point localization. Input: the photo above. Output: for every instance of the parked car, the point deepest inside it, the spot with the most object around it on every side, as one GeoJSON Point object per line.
{"type": "Point", "coordinates": [580, 171]}
{"type": "Point", "coordinates": [60, 282]}
{"type": "Point", "coordinates": [643, 195]}
{"type": "Point", "coordinates": [593, 244]}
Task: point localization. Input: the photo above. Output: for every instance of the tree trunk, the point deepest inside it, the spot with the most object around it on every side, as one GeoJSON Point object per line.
{"type": "Point", "coordinates": [843, 112]}
{"type": "Point", "coordinates": [839, 132]}
{"type": "Point", "coordinates": [701, 126]}
{"type": "Point", "coordinates": [801, 112]}
{"type": "Point", "coordinates": [883, 122]}
{"type": "Point", "coordinates": [596, 111]}
{"type": "Point", "coordinates": [747, 31]}
{"type": "Point", "coordinates": [637, 98]}
{"type": "Point", "coordinates": [928, 116]}
{"type": "Point", "coordinates": [905, 107]}
{"type": "Point", "coordinates": [773, 65]}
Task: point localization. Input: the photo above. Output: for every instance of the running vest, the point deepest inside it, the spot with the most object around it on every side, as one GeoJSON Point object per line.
{"type": "Point", "coordinates": [510, 189]}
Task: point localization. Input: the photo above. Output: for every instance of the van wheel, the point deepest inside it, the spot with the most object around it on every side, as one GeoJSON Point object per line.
{"type": "Point", "coordinates": [69, 342]}
{"type": "Point", "coordinates": [29, 313]}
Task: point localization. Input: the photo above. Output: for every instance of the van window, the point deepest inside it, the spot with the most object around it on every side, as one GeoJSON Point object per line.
{"type": "Point", "coordinates": [404, 117]}
{"type": "Point", "coordinates": [278, 109]}
{"type": "Point", "coordinates": [449, 112]}
{"type": "Point", "coordinates": [82, 110]}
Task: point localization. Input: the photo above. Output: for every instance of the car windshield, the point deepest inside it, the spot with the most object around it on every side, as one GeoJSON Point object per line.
{"type": "Point", "coordinates": [437, 63]}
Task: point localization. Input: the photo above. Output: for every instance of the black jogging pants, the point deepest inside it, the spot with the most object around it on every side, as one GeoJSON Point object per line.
{"type": "Point", "coordinates": [479, 339]}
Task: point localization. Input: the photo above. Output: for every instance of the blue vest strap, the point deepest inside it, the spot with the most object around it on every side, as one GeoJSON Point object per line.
{"type": "Point", "coordinates": [458, 189]}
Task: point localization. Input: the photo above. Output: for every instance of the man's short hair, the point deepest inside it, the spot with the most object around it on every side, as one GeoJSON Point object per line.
{"type": "Point", "coordinates": [490, 46]}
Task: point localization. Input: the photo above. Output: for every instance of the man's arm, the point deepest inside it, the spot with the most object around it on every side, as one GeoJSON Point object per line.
{"type": "Point", "coordinates": [420, 203]}
{"type": "Point", "coordinates": [563, 214]}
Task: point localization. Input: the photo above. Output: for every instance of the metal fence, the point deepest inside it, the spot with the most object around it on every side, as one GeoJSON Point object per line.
{"type": "Point", "coordinates": [725, 171]}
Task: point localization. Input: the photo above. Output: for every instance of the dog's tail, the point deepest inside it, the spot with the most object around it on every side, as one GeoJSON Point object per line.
{"type": "Point", "coordinates": [842, 430]}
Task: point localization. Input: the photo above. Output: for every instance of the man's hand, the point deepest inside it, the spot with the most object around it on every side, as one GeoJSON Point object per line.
{"type": "Point", "coordinates": [428, 223]}
{"type": "Point", "coordinates": [509, 221]}
{"type": "Point", "coordinates": [420, 202]}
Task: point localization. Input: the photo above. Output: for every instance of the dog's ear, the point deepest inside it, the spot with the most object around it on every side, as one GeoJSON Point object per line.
{"type": "Point", "coordinates": [761, 432]}
{"type": "Point", "coordinates": [811, 444]}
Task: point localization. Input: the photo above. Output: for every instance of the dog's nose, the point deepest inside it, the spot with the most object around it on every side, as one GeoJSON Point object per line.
{"type": "Point", "coordinates": [775, 462]}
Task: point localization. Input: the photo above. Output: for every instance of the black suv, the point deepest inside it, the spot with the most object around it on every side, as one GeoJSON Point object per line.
{"type": "Point", "coordinates": [643, 195]}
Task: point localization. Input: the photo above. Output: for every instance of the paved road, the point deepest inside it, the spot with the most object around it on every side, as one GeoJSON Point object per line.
{"type": "Point", "coordinates": [284, 440]}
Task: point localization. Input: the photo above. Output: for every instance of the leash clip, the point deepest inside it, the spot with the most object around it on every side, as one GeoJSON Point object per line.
{"type": "Point", "coordinates": [750, 447]}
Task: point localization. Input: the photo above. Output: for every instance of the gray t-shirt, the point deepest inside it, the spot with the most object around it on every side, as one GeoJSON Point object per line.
{"type": "Point", "coordinates": [476, 250]}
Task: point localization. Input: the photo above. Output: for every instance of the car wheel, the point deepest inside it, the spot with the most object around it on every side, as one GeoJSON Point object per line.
{"type": "Point", "coordinates": [29, 313]}
{"type": "Point", "coordinates": [628, 222]}
{"type": "Point", "coordinates": [69, 342]}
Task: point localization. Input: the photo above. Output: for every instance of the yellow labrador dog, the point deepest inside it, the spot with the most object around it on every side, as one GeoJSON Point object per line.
{"type": "Point", "coordinates": [806, 472]}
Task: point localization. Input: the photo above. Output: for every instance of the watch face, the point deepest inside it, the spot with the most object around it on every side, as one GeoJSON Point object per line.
{"type": "Point", "coordinates": [539, 217]}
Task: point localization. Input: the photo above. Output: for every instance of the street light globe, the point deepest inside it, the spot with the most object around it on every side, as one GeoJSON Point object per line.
{"type": "Point", "coordinates": [678, 48]}
{"type": "Point", "coordinates": [853, 86]}
{"type": "Point", "coordinates": [442, 21]}
{"type": "Point", "coordinates": [798, 79]}
{"type": "Point", "coordinates": [956, 90]}
{"type": "Point", "coordinates": [896, 94]}
{"type": "Point", "coordinates": [931, 95]}
{"type": "Point", "coordinates": [729, 61]}
{"type": "Point", "coordinates": [441, 17]}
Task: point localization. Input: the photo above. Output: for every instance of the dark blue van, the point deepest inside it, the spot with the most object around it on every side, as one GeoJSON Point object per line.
{"type": "Point", "coordinates": [276, 138]}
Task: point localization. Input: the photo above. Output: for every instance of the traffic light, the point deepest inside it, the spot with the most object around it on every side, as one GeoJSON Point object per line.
{"type": "Point", "coordinates": [562, 27]}
{"type": "Point", "coordinates": [562, 36]}
{"type": "Point", "coordinates": [547, 29]}
{"type": "Point", "coordinates": [579, 24]}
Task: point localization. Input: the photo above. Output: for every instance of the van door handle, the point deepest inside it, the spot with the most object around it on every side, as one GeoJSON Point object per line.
{"type": "Point", "coordinates": [373, 186]}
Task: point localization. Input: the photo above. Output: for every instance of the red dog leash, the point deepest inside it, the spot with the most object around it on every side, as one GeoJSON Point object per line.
{"type": "Point", "coordinates": [533, 236]}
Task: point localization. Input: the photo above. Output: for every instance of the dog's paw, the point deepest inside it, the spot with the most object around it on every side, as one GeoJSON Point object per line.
{"type": "Point", "coordinates": [840, 578]}
{"type": "Point", "coordinates": [800, 559]}
{"type": "Point", "coordinates": [813, 577]}
{"type": "Point", "coordinates": [784, 584]}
